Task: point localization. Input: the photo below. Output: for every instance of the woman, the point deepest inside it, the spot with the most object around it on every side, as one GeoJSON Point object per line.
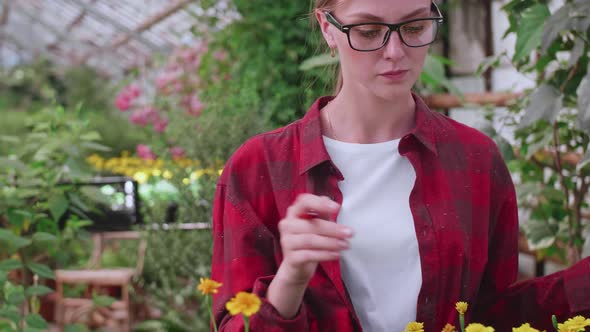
{"type": "Point", "coordinates": [372, 211]}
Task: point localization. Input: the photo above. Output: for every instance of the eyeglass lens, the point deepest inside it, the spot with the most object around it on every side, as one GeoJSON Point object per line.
{"type": "Point", "coordinates": [373, 36]}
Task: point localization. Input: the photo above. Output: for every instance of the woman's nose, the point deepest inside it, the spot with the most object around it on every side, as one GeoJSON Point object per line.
{"type": "Point", "coordinates": [394, 48]}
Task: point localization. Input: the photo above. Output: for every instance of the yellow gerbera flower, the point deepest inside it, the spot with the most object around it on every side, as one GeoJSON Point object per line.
{"type": "Point", "coordinates": [208, 286]}
{"type": "Point", "coordinates": [461, 307]}
{"type": "Point", "coordinates": [576, 324]}
{"type": "Point", "coordinates": [414, 327]}
{"type": "Point", "coordinates": [448, 328]}
{"type": "Point", "coordinates": [475, 327]}
{"type": "Point", "coordinates": [243, 303]}
{"type": "Point", "coordinates": [526, 327]}
{"type": "Point", "coordinates": [566, 328]}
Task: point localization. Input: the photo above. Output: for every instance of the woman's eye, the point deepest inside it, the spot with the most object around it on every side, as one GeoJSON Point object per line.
{"type": "Point", "coordinates": [370, 33]}
{"type": "Point", "coordinates": [413, 29]}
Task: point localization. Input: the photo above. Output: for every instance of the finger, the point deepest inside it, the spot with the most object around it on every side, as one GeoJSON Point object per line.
{"type": "Point", "coordinates": [313, 242]}
{"type": "Point", "coordinates": [309, 205]}
{"type": "Point", "coordinates": [307, 256]}
{"type": "Point", "coordinates": [315, 226]}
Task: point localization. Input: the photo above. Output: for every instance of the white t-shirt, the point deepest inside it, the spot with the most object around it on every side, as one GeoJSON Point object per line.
{"type": "Point", "coordinates": [381, 270]}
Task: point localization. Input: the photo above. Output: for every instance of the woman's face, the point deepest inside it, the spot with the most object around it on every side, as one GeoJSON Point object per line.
{"type": "Point", "coordinates": [391, 71]}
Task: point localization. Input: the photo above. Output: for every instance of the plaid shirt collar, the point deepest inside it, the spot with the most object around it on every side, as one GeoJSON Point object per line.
{"type": "Point", "coordinates": [313, 151]}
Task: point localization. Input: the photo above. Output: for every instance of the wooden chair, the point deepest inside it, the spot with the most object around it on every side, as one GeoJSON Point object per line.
{"type": "Point", "coordinates": [69, 310]}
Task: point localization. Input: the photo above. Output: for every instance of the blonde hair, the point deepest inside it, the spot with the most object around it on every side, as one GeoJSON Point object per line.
{"type": "Point", "coordinates": [328, 5]}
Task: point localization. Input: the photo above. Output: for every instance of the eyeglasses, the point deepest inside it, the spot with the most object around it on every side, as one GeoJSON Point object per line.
{"type": "Point", "coordinates": [371, 36]}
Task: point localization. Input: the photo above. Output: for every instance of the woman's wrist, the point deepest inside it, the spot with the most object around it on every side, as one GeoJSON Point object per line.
{"type": "Point", "coordinates": [286, 294]}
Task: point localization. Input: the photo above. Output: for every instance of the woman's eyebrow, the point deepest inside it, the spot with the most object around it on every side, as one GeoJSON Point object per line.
{"type": "Point", "coordinates": [375, 18]}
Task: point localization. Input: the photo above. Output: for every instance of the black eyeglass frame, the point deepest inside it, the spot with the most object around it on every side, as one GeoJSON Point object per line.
{"type": "Point", "coordinates": [392, 27]}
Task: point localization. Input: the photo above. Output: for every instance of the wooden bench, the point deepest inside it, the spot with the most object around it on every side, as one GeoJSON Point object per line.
{"type": "Point", "coordinates": [117, 316]}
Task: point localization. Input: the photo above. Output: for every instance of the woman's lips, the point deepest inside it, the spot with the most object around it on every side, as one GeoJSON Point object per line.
{"type": "Point", "coordinates": [394, 75]}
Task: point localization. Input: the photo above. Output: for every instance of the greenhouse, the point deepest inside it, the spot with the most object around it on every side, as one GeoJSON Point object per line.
{"type": "Point", "coordinates": [321, 165]}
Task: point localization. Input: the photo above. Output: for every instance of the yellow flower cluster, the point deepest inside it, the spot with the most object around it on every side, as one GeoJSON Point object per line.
{"type": "Point", "coordinates": [248, 304]}
{"type": "Point", "coordinates": [448, 328]}
{"type": "Point", "coordinates": [526, 327]}
{"type": "Point", "coordinates": [461, 307]}
{"type": "Point", "coordinates": [576, 324]}
{"type": "Point", "coordinates": [208, 286]}
{"type": "Point", "coordinates": [141, 169]}
{"type": "Point", "coordinates": [245, 304]}
{"type": "Point", "coordinates": [414, 327]}
{"type": "Point", "coordinates": [475, 327]}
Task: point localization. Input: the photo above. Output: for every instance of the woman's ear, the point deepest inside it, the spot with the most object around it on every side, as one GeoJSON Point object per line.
{"type": "Point", "coordinates": [325, 28]}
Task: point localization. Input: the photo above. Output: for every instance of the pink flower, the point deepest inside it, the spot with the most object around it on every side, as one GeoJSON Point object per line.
{"type": "Point", "coordinates": [160, 125]}
{"type": "Point", "coordinates": [166, 79]}
{"type": "Point", "coordinates": [188, 55]}
{"type": "Point", "coordinates": [123, 102]}
{"type": "Point", "coordinates": [178, 86]}
{"type": "Point", "coordinates": [127, 95]}
{"type": "Point", "coordinates": [133, 90]}
{"type": "Point", "coordinates": [195, 106]}
{"type": "Point", "coordinates": [144, 116]}
{"type": "Point", "coordinates": [144, 152]}
{"type": "Point", "coordinates": [220, 55]}
{"type": "Point", "coordinates": [177, 152]}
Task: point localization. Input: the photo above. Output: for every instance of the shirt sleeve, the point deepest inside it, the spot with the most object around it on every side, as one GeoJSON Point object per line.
{"type": "Point", "coordinates": [243, 260]}
{"type": "Point", "coordinates": [504, 304]}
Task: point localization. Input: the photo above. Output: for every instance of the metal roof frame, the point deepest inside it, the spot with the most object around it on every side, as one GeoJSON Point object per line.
{"type": "Point", "coordinates": [111, 35]}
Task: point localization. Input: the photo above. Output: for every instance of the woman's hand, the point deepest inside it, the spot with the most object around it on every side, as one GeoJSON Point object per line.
{"type": "Point", "coordinates": [307, 237]}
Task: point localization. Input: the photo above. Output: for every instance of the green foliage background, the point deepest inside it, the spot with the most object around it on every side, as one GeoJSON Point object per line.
{"type": "Point", "coordinates": [266, 47]}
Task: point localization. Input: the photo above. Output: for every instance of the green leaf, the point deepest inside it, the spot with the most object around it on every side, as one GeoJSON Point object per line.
{"type": "Point", "coordinates": [10, 264]}
{"type": "Point", "coordinates": [434, 75]}
{"type": "Point", "coordinates": [7, 326]}
{"type": "Point", "coordinates": [558, 22]}
{"type": "Point", "coordinates": [543, 243]}
{"type": "Point", "coordinates": [36, 321]}
{"type": "Point", "coordinates": [44, 238]}
{"type": "Point", "coordinates": [90, 136]}
{"type": "Point", "coordinates": [58, 205]}
{"type": "Point", "coordinates": [9, 139]}
{"type": "Point", "coordinates": [577, 51]}
{"type": "Point", "coordinates": [75, 328]}
{"type": "Point", "coordinates": [11, 163]}
{"type": "Point", "coordinates": [545, 103]}
{"type": "Point", "coordinates": [102, 300]}
{"type": "Point", "coordinates": [17, 217]}
{"type": "Point", "coordinates": [15, 298]}
{"type": "Point", "coordinates": [38, 290]}
{"type": "Point", "coordinates": [321, 60]}
{"type": "Point", "coordinates": [77, 201]}
{"type": "Point", "coordinates": [32, 329]}
{"type": "Point", "coordinates": [584, 103]}
{"type": "Point", "coordinates": [95, 146]}
{"type": "Point", "coordinates": [11, 313]}
{"type": "Point", "coordinates": [585, 161]}
{"type": "Point", "coordinates": [530, 31]}
{"type": "Point", "coordinates": [41, 270]}
{"type": "Point", "coordinates": [12, 239]}
{"type": "Point", "coordinates": [540, 234]}
{"type": "Point", "coordinates": [487, 63]}
{"type": "Point", "coordinates": [541, 144]}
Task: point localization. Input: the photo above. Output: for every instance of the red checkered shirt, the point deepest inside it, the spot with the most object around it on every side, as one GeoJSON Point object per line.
{"type": "Point", "coordinates": [465, 214]}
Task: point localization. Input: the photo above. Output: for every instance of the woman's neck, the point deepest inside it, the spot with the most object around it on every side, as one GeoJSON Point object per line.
{"type": "Point", "coordinates": [359, 118]}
